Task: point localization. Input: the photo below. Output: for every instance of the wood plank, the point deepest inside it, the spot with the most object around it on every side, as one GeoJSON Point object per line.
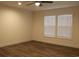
{"type": "Point", "coordinates": [37, 49]}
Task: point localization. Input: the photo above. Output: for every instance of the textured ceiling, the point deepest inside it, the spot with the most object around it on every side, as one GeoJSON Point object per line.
{"type": "Point", "coordinates": [56, 4]}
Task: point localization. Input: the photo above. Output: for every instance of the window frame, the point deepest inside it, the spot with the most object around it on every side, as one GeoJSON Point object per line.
{"type": "Point", "coordinates": [44, 27]}
{"type": "Point", "coordinates": [56, 36]}
{"type": "Point", "coordinates": [71, 27]}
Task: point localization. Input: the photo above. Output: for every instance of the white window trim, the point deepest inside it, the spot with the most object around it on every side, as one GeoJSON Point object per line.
{"type": "Point", "coordinates": [56, 36]}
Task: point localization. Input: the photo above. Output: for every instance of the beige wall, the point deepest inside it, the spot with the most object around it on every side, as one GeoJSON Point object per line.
{"type": "Point", "coordinates": [15, 25]}
{"type": "Point", "coordinates": [38, 18]}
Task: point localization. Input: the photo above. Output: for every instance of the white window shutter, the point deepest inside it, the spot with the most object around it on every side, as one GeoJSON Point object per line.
{"type": "Point", "coordinates": [49, 26]}
{"type": "Point", "coordinates": [64, 26]}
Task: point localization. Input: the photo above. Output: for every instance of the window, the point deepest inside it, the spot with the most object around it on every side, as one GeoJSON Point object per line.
{"type": "Point", "coordinates": [49, 26]}
{"type": "Point", "coordinates": [64, 26]}
{"type": "Point", "coordinates": [60, 27]}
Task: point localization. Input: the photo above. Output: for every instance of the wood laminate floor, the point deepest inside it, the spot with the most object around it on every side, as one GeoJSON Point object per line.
{"type": "Point", "coordinates": [37, 49]}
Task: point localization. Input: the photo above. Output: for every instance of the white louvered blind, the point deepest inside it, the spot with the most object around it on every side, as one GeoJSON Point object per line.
{"type": "Point", "coordinates": [49, 26]}
{"type": "Point", "coordinates": [64, 26]}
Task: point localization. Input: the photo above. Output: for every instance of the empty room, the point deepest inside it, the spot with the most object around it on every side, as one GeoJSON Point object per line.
{"type": "Point", "coordinates": [39, 28]}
